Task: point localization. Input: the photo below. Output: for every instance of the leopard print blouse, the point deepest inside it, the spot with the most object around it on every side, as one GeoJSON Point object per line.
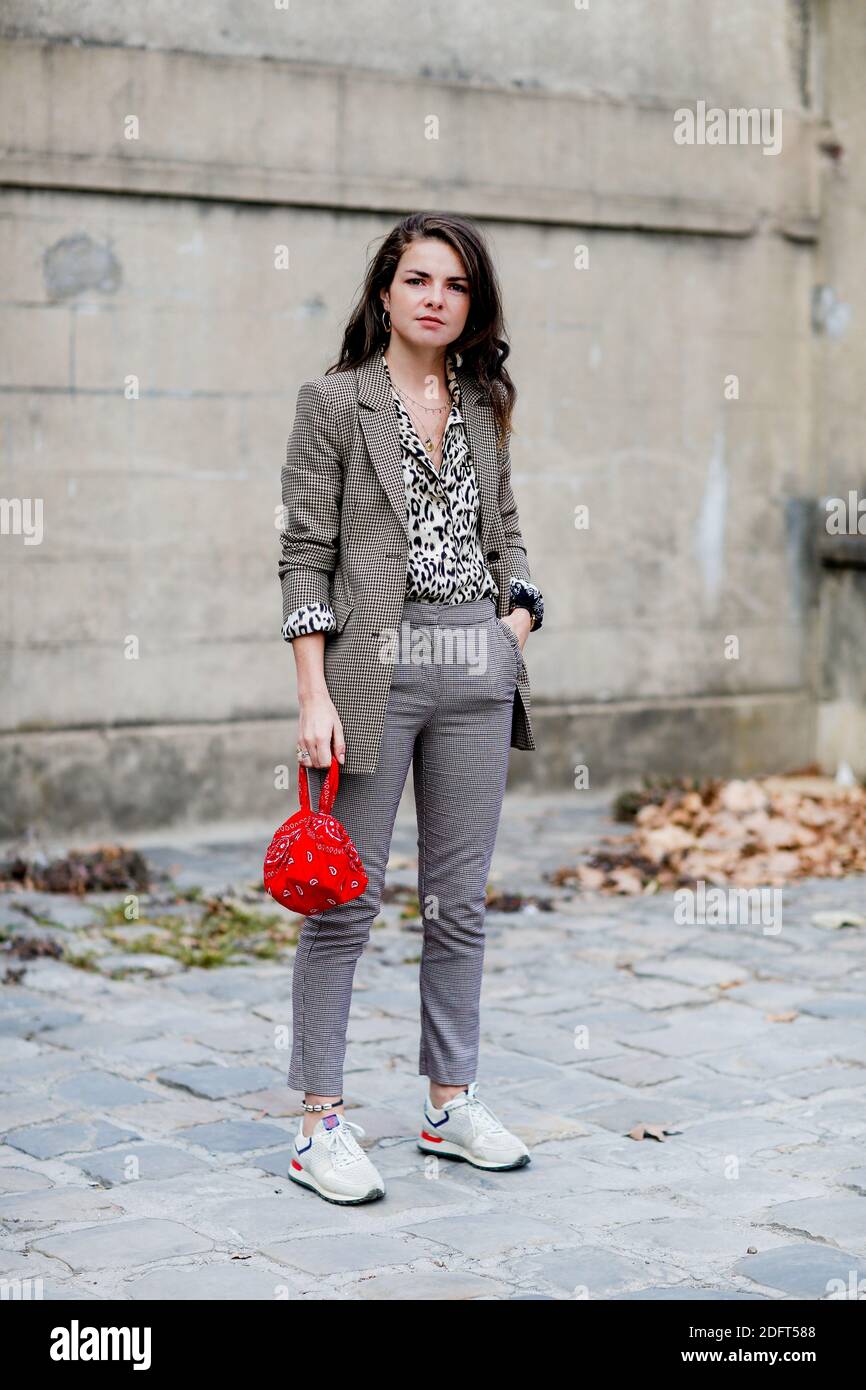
{"type": "Point", "coordinates": [445, 563]}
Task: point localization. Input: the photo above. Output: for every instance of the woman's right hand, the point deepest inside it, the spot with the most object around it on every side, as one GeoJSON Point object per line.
{"type": "Point", "coordinates": [320, 731]}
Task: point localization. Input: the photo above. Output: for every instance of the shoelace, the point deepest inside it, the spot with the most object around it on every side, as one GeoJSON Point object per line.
{"type": "Point", "coordinates": [482, 1119]}
{"type": "Point", "coordinates": [343, 1145]}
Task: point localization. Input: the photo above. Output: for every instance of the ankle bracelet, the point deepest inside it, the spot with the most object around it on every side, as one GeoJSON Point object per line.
{"type": "Point", "coordinates": [324, 1105]}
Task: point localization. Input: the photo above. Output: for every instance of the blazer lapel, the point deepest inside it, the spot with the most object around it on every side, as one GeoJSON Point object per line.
{"type": "Point", "coordinates": [379, 425]}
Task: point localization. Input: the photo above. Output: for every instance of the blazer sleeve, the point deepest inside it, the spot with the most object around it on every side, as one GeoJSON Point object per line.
{"type": "Point", "coordinates": [312, 493]}
{"type": "Point", "coordinates": [524, 594]}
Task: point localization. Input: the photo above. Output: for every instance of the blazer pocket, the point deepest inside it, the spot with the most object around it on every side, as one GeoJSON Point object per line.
{"type": "Point", "coordinates": [341, 599]}
{"type": "Point", "coordinates": [342, 610]}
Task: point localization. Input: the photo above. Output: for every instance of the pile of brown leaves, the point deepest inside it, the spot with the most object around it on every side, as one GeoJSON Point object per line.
{"type": "Point", "coordinates": [748, 834]}
{"type": "Point", "coordinates": [110, 868]}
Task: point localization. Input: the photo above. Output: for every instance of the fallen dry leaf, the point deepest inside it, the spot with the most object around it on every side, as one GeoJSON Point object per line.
{"type": "Point", "coordinates": [590, 878]}
{"type": "Point", "coordinates": [627, 880]}
{"type": "Point", "coordinates": [642, 1131]}
{"type": "Point", "coordinates": [666, 838]}
{"type": "Point", "coordinates": [741, 797]}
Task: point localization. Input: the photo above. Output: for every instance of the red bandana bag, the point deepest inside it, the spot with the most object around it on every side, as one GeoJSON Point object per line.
{"type": "Point", "coordinates": [311, 864]}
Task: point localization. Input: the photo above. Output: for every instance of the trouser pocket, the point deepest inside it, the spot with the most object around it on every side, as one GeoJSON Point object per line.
{"type": "Point", "coordinates": [511, 637]}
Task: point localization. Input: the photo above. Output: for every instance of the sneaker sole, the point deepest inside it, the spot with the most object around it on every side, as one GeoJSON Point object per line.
{"type": "Point", "coordinates": [444, 1148]}
{"type": "Point", "coordinates": [307, 1180]}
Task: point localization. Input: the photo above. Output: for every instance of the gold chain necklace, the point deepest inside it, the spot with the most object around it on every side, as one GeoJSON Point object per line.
{"type": "Point", "coordinates": [428, 442]}
{"type": "Point", "coordinates": [430, 409]}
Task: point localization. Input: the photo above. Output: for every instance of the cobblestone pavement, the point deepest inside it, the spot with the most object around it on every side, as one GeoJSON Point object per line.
{"type": "Point", "coordinates": [146, 1119]}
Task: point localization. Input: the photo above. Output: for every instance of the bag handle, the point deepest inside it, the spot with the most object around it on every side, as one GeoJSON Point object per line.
{"type": "Point", "coordinates": [329, 787]}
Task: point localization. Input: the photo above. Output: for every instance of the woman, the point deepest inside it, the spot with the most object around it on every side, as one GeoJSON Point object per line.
{"type": "Point", "coordinates": [407, 599]}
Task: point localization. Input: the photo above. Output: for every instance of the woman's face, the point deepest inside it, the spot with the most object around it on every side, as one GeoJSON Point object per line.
{"type": "Point", "coordinates": [428, 299]}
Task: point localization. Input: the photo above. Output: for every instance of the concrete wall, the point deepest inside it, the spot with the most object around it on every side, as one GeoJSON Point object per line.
{"type": "Point", "coordinates": [153, 259]}
{"type": "Point", "coordinates": [634, 49]}
{"type": "Point", "coordinates": [839, 372]}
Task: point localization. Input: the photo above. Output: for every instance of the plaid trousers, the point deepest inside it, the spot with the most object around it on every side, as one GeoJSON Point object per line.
{"type": "Point", "coordinates": [449, 713]}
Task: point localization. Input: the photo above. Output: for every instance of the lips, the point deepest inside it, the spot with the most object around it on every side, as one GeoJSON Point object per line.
{"type": "Point", "coordinates": [430, 318]}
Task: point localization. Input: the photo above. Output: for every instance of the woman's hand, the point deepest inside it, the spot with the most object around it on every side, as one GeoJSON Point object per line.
{"type": "Point", "coordinates": [320, 731]}
{"type": "Point", "coordinates": [520, 622]}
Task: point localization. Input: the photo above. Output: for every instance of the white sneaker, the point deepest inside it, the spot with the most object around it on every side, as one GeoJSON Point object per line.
{"type": "Point", "coordinates": [465, 1128]}
{"type": "Point", "coordinates": [331, 1162]}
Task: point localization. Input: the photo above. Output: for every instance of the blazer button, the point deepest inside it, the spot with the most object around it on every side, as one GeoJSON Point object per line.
{"type": "Point", "coordinates": [493, 554]}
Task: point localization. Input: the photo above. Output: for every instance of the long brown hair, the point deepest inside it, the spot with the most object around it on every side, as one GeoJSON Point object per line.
{"type": "Point", "coordinates": [482, 344]}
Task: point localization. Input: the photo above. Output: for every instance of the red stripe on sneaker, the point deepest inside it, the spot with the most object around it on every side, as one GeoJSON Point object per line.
{"type": "Point", "coordinates": [296, 1164]}
{"type": "Point", "coordinates": [434, 1138]}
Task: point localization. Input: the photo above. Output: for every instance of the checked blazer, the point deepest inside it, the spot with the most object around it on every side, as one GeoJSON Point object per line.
{"type": "Point", "coordinates": [345, 536]}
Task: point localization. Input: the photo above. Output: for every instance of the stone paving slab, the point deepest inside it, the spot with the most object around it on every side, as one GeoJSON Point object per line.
{"type": "Point", "coordinates": [228, 1280]}
{"type": "Point", "coordinates": [841, 1219]}
{"type": "Point", "coordinates": [113, 1167]}
{"type": "Point", "coordinates": [28, 1023]}
{"type": "Point", "coordinates": [152, 1054]}
{"type": "Point", "coordinates": [273, 1100]}
{"type": "Point", "coordinates": [800, 1270]}
{"type": "Point", "coordinates": [145, 1121]}
{"type": "Point", "coordinates": [102, 1039]}
{"type": "Point", "coordinates": [635, 1069]}
{"type": "Point", "coordinates": [21, 1180]}
{"type": "Point", "coordinates": [695, 1243]}
{"type": "Point", "coordinates": [486, 1234]}
{"type": "Point", "coordinates": [121, 1245]}
{"type": "Point", "coordinates": [351, 1254]}
{"type": "Point", "coordinates": [234, 1136]}
{"type": "Point", "coordinates": [586, 1270]}
{"type": "Point", "coordinates": [35, 1071]}
{"type": "Point", "coordinates": [51, 1141]}
{"type": "Point", "coordinates": [170, 1112]}
{"type": "Point", "coordinates": [21, 1111]}
{"type": "Point", "coordinates": [103, 1089]}
{"type": "Point", "coordinates": [25, 1265]}
{"type": "Point", "coordinates": [716, 1093]}
{"type": "Point", "coordinates": [853, 1178]}
{"type": "Point", "coordinates": [678, 1293]}
{"type": "Point", "coordinates": [214, 1082]}
{"type": "Point", "coordinates": [29, 1211]}
{"type": "Point", "coordinates": [427, 1286]}
{"type": "Point", "coordinates": [173, 1198]}
{"type": "Point", "coordinates": [138, 962]}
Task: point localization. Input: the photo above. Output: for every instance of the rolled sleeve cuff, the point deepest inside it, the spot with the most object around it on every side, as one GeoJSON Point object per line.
{"type": "Point", "coordinates": [310, 617]}
{"type": "Point", "coordinates": [526, 595]}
